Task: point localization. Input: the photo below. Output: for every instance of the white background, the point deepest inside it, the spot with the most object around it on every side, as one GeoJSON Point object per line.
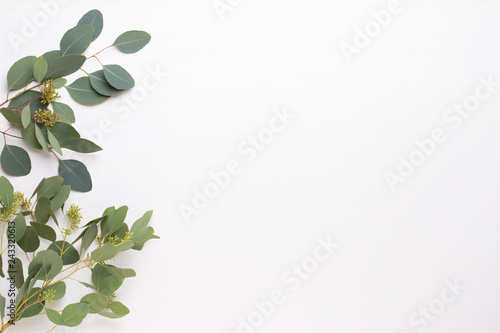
{"type": "Point", "coordinates": [322, 176]}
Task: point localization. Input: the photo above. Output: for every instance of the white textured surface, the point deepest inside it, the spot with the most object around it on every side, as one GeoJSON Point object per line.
{"type": "Point", "coordinates": [321, 176]}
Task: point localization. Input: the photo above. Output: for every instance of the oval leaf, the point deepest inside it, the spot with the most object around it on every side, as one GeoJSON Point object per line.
{"type": "Point", "coordinates": [82, 92]}
{"type": "Point", "coordinates": [132, 41]}
{"type": "Point", "coordinates": [40, 69]}
{"type": "Point", "coordinates": [76, 175]}
{"type": "Point", "coordinates": [30, 241]}
{"type": "Point", "coordinates": [77, 39]}
{"type": "Point", "coordinates": [64, 111]}
{"type": "Point", "coordinates": [21, 73]}
{"type": "Point", "coordinates": [81, 145]}
{"type": "Point", "coordinates": [118, 77]}
{"type": "Point", "coordinates": [66, 251]}
{"type": "Point", "coordinates": [105, 252]}
{"type": "Point", "coordinates": [101, 85]}
{"type": "Point", "coordinates": [73, 314]}
{"type": "Point", "coordinates": [64, 66]}
{"type": "Point", "coordinates": [95, 19]}
{"type": "Point", "coordinates": [15, 161]}
{"type": "Point", "coordinates": [96, 301]}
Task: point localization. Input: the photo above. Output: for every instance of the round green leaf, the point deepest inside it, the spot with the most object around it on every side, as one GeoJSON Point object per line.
{"type": "Point", "coordinates": [119, 309]}
{"type": "Point", "coordinates": [95, 19]}
{"type": "Point", "coordinates": [60, 290]}
{"type": "Point", "coordinates": [82, 92]}
{"type": "Point", "coordinates": [132, 41]}
{"type": "Point", "coordinates": [76, 175]}
{"type": "Point", "coordinates": [66, 251]}
{"type": "Point", "coordinates": [118, 77]}
{"type": "Point", "coordinates": [15, 161]}
{"type": "Point", "coordinates": [64, 66]}
{"type": "Point", "coordinates": [64, 111]}
{"type": "Point", "coordinates": [77, 39]}
{"type": "Point", "coordinates": [96, 301]}
{"type": "Point", "coordinates": [47, 263]}
{"type": "Point", "coordinates": [142, 235]}
{"type": "Point", "coordinates": [51, 56]}
{"type": "Point", "coordinates": [21, 73]}
{"type": "Point", "coordinates": [73, 314]}
{"type": "Point", "coordinates": [44, 231]}
{"type": "Point", "coordinates": [54, 316]}
{"type": "Point", "coordinates": [81, 145]}
{"type": "Point", "coordinates": [58, 83]}
{"type": "Point", "coordinates": [40, 69]}
{"type": "Point", "coordinates": [30, 241]}
{"type": "Point", "coordinates": [110, 285]}
{"type": "Point", "coordinates": [101, 85]}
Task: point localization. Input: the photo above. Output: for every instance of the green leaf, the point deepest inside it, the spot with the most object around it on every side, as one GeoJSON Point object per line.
{"type": "Point", "coordinates": [32, 307]}
{"type": "Point", "coordinates": [42, 210]}
{"type": "Point", "coordinates": [105, 252]}
{"type": "Point", "coordinates": [99, 273]}
{"type": "Point", "coordinates": [110, 284]}
{"type": "Point", "coordinates": [30, 241]}
{"type": "Point", "coordinates": [20, 227]}
{"type": "Point", "coordinates": [119, 309]}
{"type": "Point", "coordinates": [88, 285]}
{"type": "Point", "coordinates": [76, 175]}
{"type": "Point", "coordinates": [142, 235]}
{"type": "Point", "coordinates": [123, 272]}
{"type": "Point", "coordinates": [59, 83]}
{"type": "Point", "coordinates": [95, 19]}
{"type": "Point", "coordinates": [81, 145]}
{"type": "Point", "coordinates": [64, 132]}
{"type": "Point", "coordinates": [96, 301]}
{"type": "Point", "coordinates": [89, 237]}
{"type": "Point", "coordinates": [64, 66]}
{"type": "Point", "coordinates": [49, 187]}
{"type": "Point", "coordinates": [41, 139]}
{"type": "Point", "coordinates": [15, 161]}
{"type": "Point", "coordinates": [44, 231]}
{"type": "Point", "coordinates": [117, 218]}
{"type": "Point", "coordinates": [64, 111]}
{"type": "Point", "coordinates": [16, 270]}
{"type": "Point", "coordinates": [66, 251]}
{"type": "Point", "coordinates": [51, 56]}
{"type": "Point", "coordinates": [82, 92]}
{"type": "Point", "coordinates": [132, 41]}
{"type": "Point", "coordinates": [100, 84]}
{"type": "Point", "coordinates": [127, 245]}
{"type": "Point", "coordinates": [26, 116]}
{"type": "Point", "coordinates": [2, 306]}
{"type": "Point", "coordinates": [62, 195]}
{"type": "Point", "coordinates": [6, 192]}
{"type": "Point", "coordinates": [21, 73]}
{"type": "Point", "coordinates": [54, 316]}
{"type": "Point", "coordinates": [118, 77]}
{"type": "Point", "coordinates": [31, 97]}
{"type": "Point", "coordinates": [59, 290]}
{"type": "Point", "coordinates": [54, 143]}
{"type": "Point", "coordinates": [40, 69]}
{"type": "Point", "coordinates": [142, 222]}
{"type": "Point", "coordinates": [12, 116]}
{"type": "Point", "coordinates": [29, 136]}
{"type": "Point", "coordinates": [73, 314]}
{"type": "Point", "coordinates": [47, 263]}
{"type": "Point", "coordinates": [76, 40]}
